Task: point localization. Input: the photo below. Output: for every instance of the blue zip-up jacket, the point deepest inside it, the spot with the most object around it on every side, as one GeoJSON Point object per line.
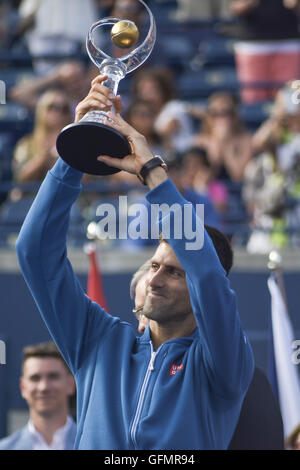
{"type": "Point", "coordinates": [185, 395]}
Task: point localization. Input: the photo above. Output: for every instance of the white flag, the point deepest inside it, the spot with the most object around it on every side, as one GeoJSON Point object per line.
{"type": "Point", "coordinates": [288, 382]}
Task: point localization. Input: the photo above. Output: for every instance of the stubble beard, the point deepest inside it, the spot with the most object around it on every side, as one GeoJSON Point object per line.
{"type": "Point", "coordinates": [164, 312]}
{"type": "Point", "coordinates": [157, 313]}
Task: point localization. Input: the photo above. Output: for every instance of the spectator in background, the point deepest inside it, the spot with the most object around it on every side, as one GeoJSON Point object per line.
{"type": "Point", "coordinates": [57, 28]}
{"type": "Point", "coordinates": [130, 10]}
{"type": "Point", "coordinates": [141, 115]}
{"type": "Point", "coordinates": [137, 294]}
{"type": "Point", "coordinates": [173, 123]}
{"type": "Point", "coordinates": [47, 386]}
{"type": "Point", "coordinates": [72, 77]}
{"type": "Point", "coordinates": [269, 49]}
{"type": "Point", "coordinates": [197, 173]}
{"type": "Point", "coordinates": [224, 137]}
{"type": "Point", "coordinates": [283, 124]}
{"type": "Point", "coordinates": [9, 23]}
{"type": "Point", "coordinates": [104, 7]}
{"type": "Point", "coordinates": [272, 179]}
{"type": "Point", "coordinates": [36, 153]}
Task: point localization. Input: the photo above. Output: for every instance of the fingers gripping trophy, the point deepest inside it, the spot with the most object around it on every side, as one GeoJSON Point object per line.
{"type": "Point", "coordinates": [81, 143]}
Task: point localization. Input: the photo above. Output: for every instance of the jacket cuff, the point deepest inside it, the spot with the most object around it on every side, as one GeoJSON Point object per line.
{"type": "Point", "coordinates": [166, 191]}
{"type": "Point", "coordinates": [63, 172]}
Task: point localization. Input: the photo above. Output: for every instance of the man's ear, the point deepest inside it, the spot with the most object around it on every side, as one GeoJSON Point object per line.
{"type": "Point", "coordinates": [22, 387]}
{"type": "Point", "coordinates": [71, 385]}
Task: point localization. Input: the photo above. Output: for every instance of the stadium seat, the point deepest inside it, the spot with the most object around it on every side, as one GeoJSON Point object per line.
{"type": "Point", "coordinates": [202, 83]}
{"type": "Point", "coordinates": [216, 52]}
{"type": "Point", "coordinates": [15, 118]}
{"type": "Point", "coordinates": [254, 115]}
{"type": "Point", "coordinates": [13, 76]}
{"type": "Point", "coordinates": [178, 51]}
{"type": "Point", "coordinates": [13, 213]}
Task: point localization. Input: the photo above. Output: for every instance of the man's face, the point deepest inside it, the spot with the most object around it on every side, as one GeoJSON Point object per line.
{"type": "Point", "coordinates": [167, 297]}
{"type": "Point", "coordinates": [46, 385]}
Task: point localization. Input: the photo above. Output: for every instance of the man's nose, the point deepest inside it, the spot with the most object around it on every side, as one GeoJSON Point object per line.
{"type": "Point", "coordinates": [43, 384]}
{"type": "Point", "coordinates": [156, 279]}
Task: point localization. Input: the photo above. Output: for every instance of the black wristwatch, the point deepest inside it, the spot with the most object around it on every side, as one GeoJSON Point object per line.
{"type": "Point", "coordinates": [153, 163]}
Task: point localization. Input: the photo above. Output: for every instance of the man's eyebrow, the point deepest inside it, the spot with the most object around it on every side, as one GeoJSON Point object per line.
{"type": "Point", "coordinates": [33, 376]}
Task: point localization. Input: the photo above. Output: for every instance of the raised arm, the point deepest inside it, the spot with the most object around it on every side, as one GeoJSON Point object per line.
{"type": "Point", "coordinates": [227, 352]}
{"type": "Point", "coordinates": [75, 322]}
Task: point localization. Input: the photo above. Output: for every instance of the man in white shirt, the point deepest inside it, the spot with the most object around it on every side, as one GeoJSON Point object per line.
{"type": "Point", "coordinates": [47, 385]}
{"type": "Point", "coordinates": [58, 28]}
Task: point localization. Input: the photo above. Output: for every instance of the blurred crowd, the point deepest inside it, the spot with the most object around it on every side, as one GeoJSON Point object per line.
{"type": "Point", "coordinates": [250, 177]}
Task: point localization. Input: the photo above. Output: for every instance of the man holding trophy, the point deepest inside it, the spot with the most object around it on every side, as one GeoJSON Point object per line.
{"type": "Point", "coordinates": [181, 384]}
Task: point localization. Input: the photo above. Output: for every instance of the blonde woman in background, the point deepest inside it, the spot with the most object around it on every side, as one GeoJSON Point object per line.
{"type": "Point", "coordinates": [36, 153]}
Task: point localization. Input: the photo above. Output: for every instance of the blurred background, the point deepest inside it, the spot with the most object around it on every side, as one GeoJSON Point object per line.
{"type": "Point", "coordinates": [218, 99]}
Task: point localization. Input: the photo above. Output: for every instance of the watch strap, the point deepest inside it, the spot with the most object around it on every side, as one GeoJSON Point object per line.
{"type": "Point", "coordinates": [153, 163]}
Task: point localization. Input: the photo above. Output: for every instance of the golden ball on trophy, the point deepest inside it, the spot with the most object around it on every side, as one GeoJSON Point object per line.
{"type": "Point", "coordinates": [124, 34]}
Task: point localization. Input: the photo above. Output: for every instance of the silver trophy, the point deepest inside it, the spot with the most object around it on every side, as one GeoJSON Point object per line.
{"type": "Point", "coordinates": [80, 144]}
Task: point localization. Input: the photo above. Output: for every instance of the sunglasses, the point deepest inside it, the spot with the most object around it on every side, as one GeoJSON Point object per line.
{"type": "Point", "coordinates": [221, 113]}
{"type": "Point", "coordinates": [144, 114]}
{"type": "Point", "coordinates": [64, 108]}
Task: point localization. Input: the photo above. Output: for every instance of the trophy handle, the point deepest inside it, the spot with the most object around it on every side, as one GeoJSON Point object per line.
{"type": "Point", "coordinates": [133, 59]}
{"type": "Point", "coordinates": [115, 71]}
{"type": "Point", "coordinates": [140, 54]}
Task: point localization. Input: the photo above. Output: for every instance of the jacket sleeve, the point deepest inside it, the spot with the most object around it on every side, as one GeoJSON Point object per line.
{"type": "Point", "coordinates": [74, 322]}
{"type": "Point", "coordinates": [227, 353]}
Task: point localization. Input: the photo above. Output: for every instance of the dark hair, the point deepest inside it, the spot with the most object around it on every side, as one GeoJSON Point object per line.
{"type": "Point", "coordinates": [238, 124]}
{"type": "Point", "coordinates": [42, 350]}
{"type": "Point", "coordinates": [175, 164]}
{"type": "Point", "coordinates": [222, 247]}
{"type": "Point", "coordinates": [201, 155]}
{"type": "Point", "coordinates": [135, 103]}
{"type": "Point", "coordinates": [164, 78]}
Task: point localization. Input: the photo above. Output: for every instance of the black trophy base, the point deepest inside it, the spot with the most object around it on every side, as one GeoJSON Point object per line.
{"type": "Point", "coordinates": [80, 144]}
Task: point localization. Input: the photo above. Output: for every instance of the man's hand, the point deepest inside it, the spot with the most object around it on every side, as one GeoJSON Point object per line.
{"type": "Point", "coordinates": [140, 150]}
{"type": "Point", "coordinates": [140, 153]}
{"type": "Point", "coordinates": [99, 98]}
{"type": "Point", "coordinates": [291, 4]}
{"type": "Point", "coordinates": [243, 7]}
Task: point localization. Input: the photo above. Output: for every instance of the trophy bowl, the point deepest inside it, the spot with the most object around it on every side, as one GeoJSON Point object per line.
{"type": "Point", "coordinates": [79, 144]}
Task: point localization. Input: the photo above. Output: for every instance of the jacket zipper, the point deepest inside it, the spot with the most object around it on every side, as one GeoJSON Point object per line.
{"type": "Point", "coordinates": [142, 395]}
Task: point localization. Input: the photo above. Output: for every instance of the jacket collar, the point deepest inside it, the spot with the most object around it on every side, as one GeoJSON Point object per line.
{"type": "Point", "coordinates": [146, 337]}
